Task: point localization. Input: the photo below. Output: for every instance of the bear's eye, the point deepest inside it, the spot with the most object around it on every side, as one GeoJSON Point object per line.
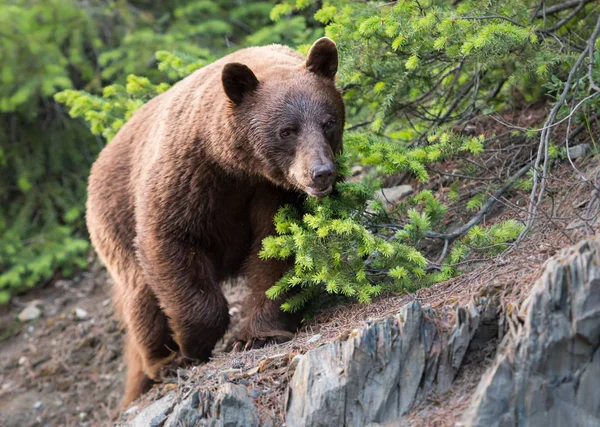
{"type": "Point", "coordinates": [329, 124]}
{"type": "Point", "coordinates": [284, 133]}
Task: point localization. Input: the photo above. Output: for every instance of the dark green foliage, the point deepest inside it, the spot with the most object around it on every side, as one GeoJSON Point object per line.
{"type": "Point", "coordinates": [43, 154]}
{"type": "Point", "coordinates": [202, 30]}
{"type": "Point", "coordinates": [43, 46]}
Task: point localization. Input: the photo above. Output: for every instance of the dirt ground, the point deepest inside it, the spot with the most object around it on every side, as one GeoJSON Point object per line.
{"type": "Point", "coordinates": [62, 369]}
{"type": "Point", "coordinates": [66, 367]}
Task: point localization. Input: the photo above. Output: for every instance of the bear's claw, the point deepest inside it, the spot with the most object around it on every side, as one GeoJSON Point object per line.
{"type": "Point", "coordinates": [259, 342]}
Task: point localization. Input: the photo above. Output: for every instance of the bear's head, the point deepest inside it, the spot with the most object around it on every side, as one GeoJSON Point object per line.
{"type": "Point", "coordinates": [292, 117]}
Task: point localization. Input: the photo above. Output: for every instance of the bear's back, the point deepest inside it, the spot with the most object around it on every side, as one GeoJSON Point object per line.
{"type": "Point", "coordinates": [186, 115]}
{"type": "Point", "coordinates": [200, 95]}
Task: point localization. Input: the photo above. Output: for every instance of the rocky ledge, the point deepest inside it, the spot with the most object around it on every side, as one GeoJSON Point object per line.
{"type": "Point", "coordinates": [545, 372]}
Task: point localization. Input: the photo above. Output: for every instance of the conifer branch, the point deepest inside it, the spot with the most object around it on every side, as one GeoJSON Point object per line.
{"type": "Point", "coordinates": [556, 8]}
{"type": "Point", "coordinates": [567, 18]}
{"type": "Point", "coordinates": [486, 207]}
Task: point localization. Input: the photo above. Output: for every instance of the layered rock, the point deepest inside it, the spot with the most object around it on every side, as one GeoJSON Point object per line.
{"type": "Point", "coordinates": [547, 373]}
{"type": "Point", "coordinates": [380, 371]}
{"type": "Point", "coordinates": [229, 406]}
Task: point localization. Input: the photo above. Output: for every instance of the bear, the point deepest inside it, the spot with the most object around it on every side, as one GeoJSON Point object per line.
{"type": "Point", "coordinates": [182, 197]}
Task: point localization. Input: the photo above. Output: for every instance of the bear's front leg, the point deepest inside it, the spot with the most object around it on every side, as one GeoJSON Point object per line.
{"type": "Point", "coordinates": [265, 320]}
{"type": "Point", "coordinates": [182, 278]}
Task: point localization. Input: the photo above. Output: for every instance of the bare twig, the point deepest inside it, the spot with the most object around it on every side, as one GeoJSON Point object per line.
{"type": "Point", "coordinates": [554, 124]}
{"type": "Point", "coordinates": [567, 18]}
{"type": "Point", "coordinates": [539, 182]}
{"type": "Point", "coordinates": [456, 175]}
{"type": "Point", "coordinates": [550, 10]}
{"type": "Point", "coordinates": [583, 178]}
{"type": "Point", "coordinates": [593, 84]}
{"type": "Point", "coordinates": [444, 252]}
{"type": "Point", "coordinates": [359, 125]}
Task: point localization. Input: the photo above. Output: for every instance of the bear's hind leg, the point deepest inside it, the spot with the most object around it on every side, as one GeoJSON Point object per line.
{"type": "Point", "coordinates": [148, 330]}
{"type": "Point", "coordinates": [136, 381]}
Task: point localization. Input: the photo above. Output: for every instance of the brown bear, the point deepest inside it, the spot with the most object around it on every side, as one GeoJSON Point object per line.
{"type": "Point", "coordinates": [182, 197]}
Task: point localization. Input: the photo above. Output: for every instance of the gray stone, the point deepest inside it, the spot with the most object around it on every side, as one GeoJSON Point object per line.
{"type": "Point", "coordinates": [314, 339]}
{"type": "Point", "coordinates": [155, 413]}
{"type": "Point", "coordinates": [235, 407]}
{"type": "Point", "coordinates": [131, 410]}
{"type": "Point", "coordinates": [379, 372]}
{"type": "Point", "coordinates": [186, 413]}
{"type": "Point", "coordinates": [29, 313]}
{"type": "Point", "coordinates": [294, 363]}
{"type": "Point", "coordinates": [255, 393]}
{"type": "Point", "coordinates": [460, 339]}
{"type": "Point", "coordinates": [63, 284]}
{"type": "Point", "coordinates": [80, 313]}
{"type": "Point", "coordinates": [547, 372]}
{"type": "Point", "coordinates": [587, 396]}
{"type": "Point", "coordinates": [391, 196]}
{"type": "Point", "coordinates": [578, 151]}
{"type": "Point", "coordinates": [229, 406]}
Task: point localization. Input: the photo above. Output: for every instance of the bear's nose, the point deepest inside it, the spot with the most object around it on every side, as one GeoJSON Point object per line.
{"type": "Point", "coordinates": [323, 175]}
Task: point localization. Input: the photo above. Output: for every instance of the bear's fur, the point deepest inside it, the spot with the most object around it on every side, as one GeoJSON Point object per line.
{"type": "Point", "coordinates": [183, 196]}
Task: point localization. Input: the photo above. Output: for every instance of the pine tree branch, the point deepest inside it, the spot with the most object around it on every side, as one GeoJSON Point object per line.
{"type": "Point", "coordinates": [567, 18]}
{"type": "Point", "coordinates": [542, 32]}
{"type": "Point", "coordinates": [551, 10]}
{"type": "Point", "coordinates": [487, 206]}
{"type": "Point", "coordinates": [503, 18]}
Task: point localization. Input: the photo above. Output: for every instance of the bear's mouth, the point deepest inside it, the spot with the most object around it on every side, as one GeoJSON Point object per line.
{"type": "Point", "coordinates": [318, 192]}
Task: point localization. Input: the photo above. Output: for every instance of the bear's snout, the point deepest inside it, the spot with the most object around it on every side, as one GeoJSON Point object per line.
{"type": "Point", "coordinates": [322, 176]}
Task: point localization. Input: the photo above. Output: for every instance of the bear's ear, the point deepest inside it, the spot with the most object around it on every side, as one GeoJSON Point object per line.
{"type": "Point", "coordinates": [323, 58]}
{"type": "Point", "coordinates": [238, 80]}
